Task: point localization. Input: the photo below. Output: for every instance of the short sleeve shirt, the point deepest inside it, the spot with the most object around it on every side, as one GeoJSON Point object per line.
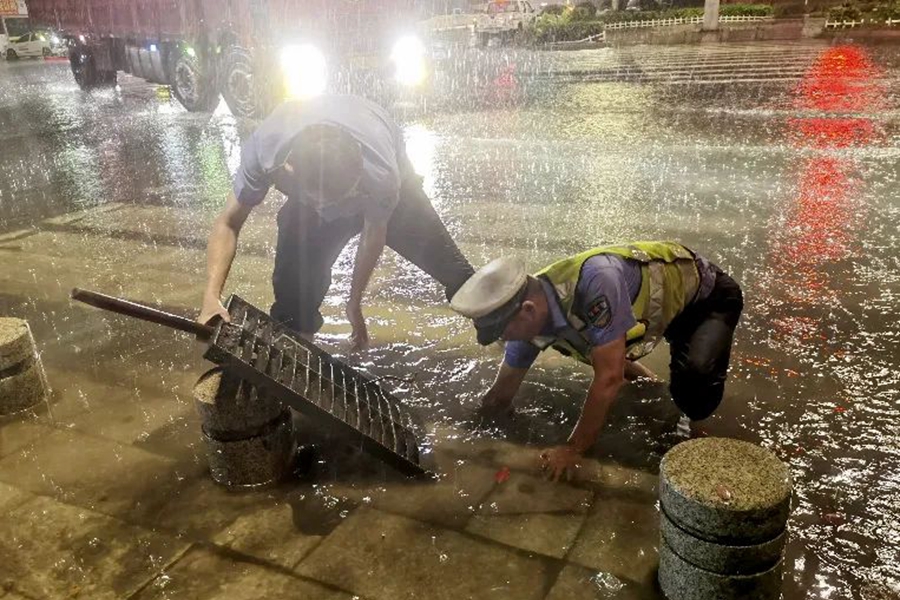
{"type": "Point", "coordinates": [607, 287]}
{"type": "Point", "coordinates": [606, 291]}
{"type": "Point", "coordinates": [385, 163]}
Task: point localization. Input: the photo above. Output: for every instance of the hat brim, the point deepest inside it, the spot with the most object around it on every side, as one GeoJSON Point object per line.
{"type": "Point", "coordinates": [490, 327]}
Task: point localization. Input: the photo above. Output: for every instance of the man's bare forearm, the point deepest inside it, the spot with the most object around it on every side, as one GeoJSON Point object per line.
{"type": "Point", "coordinates": [600, 398]}
{"type": "Point", "coordinates": [371, 246]}
{"type": "Point", "coordinates": [221, 247]}
{"type": "Point", "coordinates": [505, 386]}
{"type": "Point", "coordinates": [220, 251]}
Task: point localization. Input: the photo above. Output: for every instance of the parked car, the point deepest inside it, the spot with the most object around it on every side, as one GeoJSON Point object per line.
{"type": "Point", "coordinates": [503, 17]}
{"type": "Point", "coordinates": [32, 43]}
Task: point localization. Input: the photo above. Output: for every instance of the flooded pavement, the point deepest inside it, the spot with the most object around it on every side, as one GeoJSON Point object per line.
{"type": "Point", "coordinates": [778, 162]}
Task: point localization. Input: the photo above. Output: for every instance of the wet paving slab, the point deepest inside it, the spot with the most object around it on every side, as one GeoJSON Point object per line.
{"type": "Point", "coordinates": [117, 191]}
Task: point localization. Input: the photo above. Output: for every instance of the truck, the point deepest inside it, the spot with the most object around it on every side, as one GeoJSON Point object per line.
{"type": "Point", "coordinates": [13, 22]}
{"type": "Point", "coordinates": [254, 53]}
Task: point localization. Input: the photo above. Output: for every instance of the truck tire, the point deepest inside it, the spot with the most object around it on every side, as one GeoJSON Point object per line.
{"type": "Point", "coordinates": [11, 54]}
{"type": "Point", "coordinates": [245, 92]}
{"type": "Point", "coordinates": [87, 76]}
{"type": "Point", "coordinates": [193, 85]}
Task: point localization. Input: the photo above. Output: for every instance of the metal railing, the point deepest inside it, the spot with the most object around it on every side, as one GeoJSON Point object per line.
{"type": "Point", "coordinates": [844, 24]}
{"type": "Point", "coordinates": [684, 21]}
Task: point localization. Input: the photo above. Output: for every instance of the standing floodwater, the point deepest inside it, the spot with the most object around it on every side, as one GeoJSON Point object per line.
{"type": "Point", "coordinates": [778, 162]}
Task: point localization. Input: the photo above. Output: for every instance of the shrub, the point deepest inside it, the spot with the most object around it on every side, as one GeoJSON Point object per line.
{"type": "Point", "coordinates": [845, 12]}
{"type": "Point", "coordinates": [746, 10]}
{"type": "Point", "coordinates": [584, 11]}
{"type": "Point", "coordinates": [887, 10]}
{"type": "Point", "coordinates": [554, 10]}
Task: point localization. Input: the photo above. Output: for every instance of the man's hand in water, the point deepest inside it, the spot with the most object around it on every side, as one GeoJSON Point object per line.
{"type": "Point", "coordinates": [494, 403]}
{"type": "Point", "coordinates": [212, 308]}
{"type": "Point", "coordinates": [560, 461]}
{"type": "Point", "coordinates": [359, 337]}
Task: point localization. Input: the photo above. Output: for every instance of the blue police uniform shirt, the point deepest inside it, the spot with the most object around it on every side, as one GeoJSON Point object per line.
{"type": "Point", "coordinates": [385, 163]}
{"type": "Point", "coordinates": [605, 276]}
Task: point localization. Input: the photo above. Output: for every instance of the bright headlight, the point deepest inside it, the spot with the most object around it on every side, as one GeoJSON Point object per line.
{"type": "Point", "coordinates": [408, 56]}
{"type": "Point", "coordinates": [304, 69]}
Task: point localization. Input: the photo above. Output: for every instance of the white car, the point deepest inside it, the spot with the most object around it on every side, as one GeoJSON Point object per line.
{"type": "Point", "coordinates": [29, 44]}
{"type": "Point", "coordinates": [504, 17]}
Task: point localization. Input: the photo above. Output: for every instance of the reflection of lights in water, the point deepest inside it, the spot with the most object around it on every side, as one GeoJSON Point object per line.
{"type": "Point", "coordinates": [823, 216]}
{"type": "Point", "coordinates": [231, 140]}
{"type": "Point", "coordinates": [420, 147]}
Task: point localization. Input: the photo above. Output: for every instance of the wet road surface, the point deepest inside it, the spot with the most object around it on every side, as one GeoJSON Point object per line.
{"type": "Point", "coordinates": [778, 162]}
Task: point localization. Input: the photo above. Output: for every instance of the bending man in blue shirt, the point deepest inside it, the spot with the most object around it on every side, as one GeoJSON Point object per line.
{"type": "Point", "coordinates": [341, 161]}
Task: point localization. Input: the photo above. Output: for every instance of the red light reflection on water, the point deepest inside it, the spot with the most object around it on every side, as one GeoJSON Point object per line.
{"type": "Point", "coordinates": [824, 215]}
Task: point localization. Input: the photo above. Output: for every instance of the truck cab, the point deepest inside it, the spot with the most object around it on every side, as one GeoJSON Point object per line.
{"type": "Point", "coordinates": [12, 26]}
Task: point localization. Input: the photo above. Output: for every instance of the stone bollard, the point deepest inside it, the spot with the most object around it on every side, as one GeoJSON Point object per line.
{"type": "Point", "coordinates": [724, 506]}
{"type": "Point", "coordinates": [22, 382]}
{"type": "Point", "coordinates": [249, 435]}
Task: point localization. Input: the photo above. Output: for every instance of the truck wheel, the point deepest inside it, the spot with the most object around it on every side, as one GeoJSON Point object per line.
{"type": "Point", "coordinates": [45, 52]}
{"type": "Point", "coordinates": [82, 65]}
{"type": "Point", "coordinates": [87, 76]}
{"type": "Point", "coordinates": [192, 84]}
{"type": "Point", "coordinates": [247, 93]}
{"type": "Point", "coordinates": [11, 54]}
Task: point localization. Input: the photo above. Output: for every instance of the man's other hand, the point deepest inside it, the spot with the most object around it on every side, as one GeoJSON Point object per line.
{"type": "Point", "coordinates": [560, 461]}
{"type": "Point", "coordinates": [359, 337]}
{"type": "Point", "coordinates": [211, 309]}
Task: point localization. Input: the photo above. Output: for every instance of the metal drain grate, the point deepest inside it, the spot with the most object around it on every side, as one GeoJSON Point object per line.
{"type": "Point", "coordinates": [316, 384]}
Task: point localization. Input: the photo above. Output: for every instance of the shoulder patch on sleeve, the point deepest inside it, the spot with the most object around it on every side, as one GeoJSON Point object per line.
{"type": "Point", "coordinates": [598, 312]}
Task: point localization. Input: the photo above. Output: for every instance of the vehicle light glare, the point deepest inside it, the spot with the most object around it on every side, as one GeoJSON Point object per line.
{"type": "Point", "coordinates": [304, 70]}
{"type": "Point", "coordinates": [408, 56]}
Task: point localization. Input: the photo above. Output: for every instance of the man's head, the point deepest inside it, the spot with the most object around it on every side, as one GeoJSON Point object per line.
{"type": "Point", "coordinates": [504, 302]}
{"type": "Point", "coordinates": [327, 162]}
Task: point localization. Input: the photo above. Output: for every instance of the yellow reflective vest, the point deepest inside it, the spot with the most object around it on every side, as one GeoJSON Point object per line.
{"type": "Point", "coordinates": [669, 282]}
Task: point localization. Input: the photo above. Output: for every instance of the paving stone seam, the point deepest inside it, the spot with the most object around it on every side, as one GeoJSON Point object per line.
{"type": "Point", "coordinates": [29, 496]}
{"type": "Point", "coordinates": [587, 486]}
{"type": "Point", "coordinates": [193, 541]}
{"type": "Point", "coordinates": [239, 556]}
{"type": "Point", "coordinates": [578, 535]}
{"type": "Point", "coordinates": [59, 426]}
{"type": "Point", "coordinates": [16, 235]}
{"type": "Point", "coordinates": [516, 550]}
{"type": "Point", "coordinates": [171, 563]}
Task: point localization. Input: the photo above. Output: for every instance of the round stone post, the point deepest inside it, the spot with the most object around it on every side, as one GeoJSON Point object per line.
{"type": "Point", "coordinates": [248, 434]}
{"type": "Point", "coordinates": [711, 15]}
{"type": "Point", "coordinates": [22, 381]}
{"type": "Point", "coordinates": [724, 508]}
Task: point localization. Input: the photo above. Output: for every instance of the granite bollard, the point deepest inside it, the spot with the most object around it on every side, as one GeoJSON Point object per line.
{"type": "Point", "coordinates": [227, 404]}
{"type": "Point", "coordinates": [724, 490]}
{"type": "Point", "coordinates": [248, 435]}
{"type": "Point", "coordinates": [680, 579]}
{"type": "Point", "coordinates": [722, 558]}
{"type": "Point", "coordinates": [255, 461]}
{"type": "Point", "coordinates": [22, 382]}
{"type": "Point", "coordinates": [724, 508]}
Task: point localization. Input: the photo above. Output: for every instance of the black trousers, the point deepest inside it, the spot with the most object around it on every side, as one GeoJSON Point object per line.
{"type": "Point", "coordinates": [700, 339]}
{"type": "Point", "coordinates": [308, 247]}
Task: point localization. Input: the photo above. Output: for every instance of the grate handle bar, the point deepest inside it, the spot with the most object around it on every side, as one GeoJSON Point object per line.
{"type": "Point", "coordinates": [143, 312]}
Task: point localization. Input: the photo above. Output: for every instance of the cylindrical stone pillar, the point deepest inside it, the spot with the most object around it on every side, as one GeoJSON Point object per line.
{"type": "Point", "coordinates": [710, 15]}
{"type": "Point", "coordinates": [724, 505]}
{"type": "Point", "coordinates": [248, 434]}
{"type": "Point", "coordinates": [22, 382]}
